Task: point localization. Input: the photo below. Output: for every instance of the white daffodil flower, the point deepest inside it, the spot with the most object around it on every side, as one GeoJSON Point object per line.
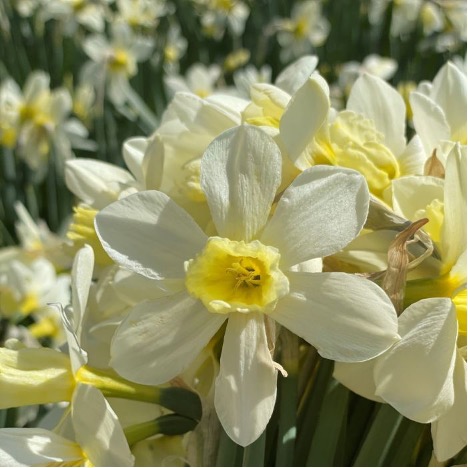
{"type": "Point", "coordinates": [423, 376]}
{"type": "Point", "coordinates": [37, 122]}
{"type": "Point", "coordinates": [73, 13]}
{"type": "Point", "coordinates": [141, 13]}
{"type": "Point", "coordinates": [199, 80]}
{"type": "Point", "coordinates": [113, 63]}
{"type": "Point", "coordinates": [174, 49]}
{"type": "Point", "coordinates": [305, 29]}
{"type": "Point", "coordinates": [439, 111]}
{"type": "Point", "coordinates": [369, 136]}
{"type": "Point", "coordinates": [26, 283]}
{"type": "Point", "coordinates": [10, 101]}
{"type": "Point", "coordinates": [53, 373]}
{"type": "Point", "coordinates": [216, 15]}
{"type": "Point", "coordinates": [246, 77]}
{"type": "Point", "coordinates": [443, 203]}
{"type": "Point", "coordinates": [383, 67]}
{"type": "Point", "coordinates": [99, 438]}
{"type": "Point", "coordinates": [246, 274]}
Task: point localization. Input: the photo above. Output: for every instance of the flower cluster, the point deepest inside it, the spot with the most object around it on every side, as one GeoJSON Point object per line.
{"type": "Point", "coordinates": [264, 261]}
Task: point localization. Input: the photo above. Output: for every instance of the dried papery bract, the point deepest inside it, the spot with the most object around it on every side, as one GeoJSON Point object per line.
{"type": "Point", "coordinates": [433, 166]}
{"type": "Point", "coordinates": [398, 263]}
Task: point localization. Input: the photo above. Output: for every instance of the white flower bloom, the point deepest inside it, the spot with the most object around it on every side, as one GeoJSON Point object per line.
{"type": "Point", "coordinates": [216, 15]}
{"type": "Point", "coordinates": [423, 375]}
{"type": "Point", "coordinates": [99, 438]}
{"type": "Point", "coordinates": [141, 13]}
{"type": "Point", "coordinates": [383, 67]}
{"type": "Point", "coordinates": [73, 13]}
{"type": "Point", "coordinates": [174, 49]}
{"type": "Point", "coordinates": [245, 275]}
{"type": "Point", "coordinates": [37, 121]}
{"type": "Point", "coordinates": [199, 80]}
{"type": "Point", "coordinates": [369, 136]}
{"type": "Point", "coordinates": [113, 63]}
{"type": "Point", "coordinates": [304, 30]}
{"type": "Point", "coordinates": [10, 101]}
{"type": "Point", "coordinates": [439, 111]}
{"type": "Point", "coordinates": [25, 283]}
{"type": "Point", "coordinates": [249, 75]}
{"type": "Point", "coordinates": [53, 374]}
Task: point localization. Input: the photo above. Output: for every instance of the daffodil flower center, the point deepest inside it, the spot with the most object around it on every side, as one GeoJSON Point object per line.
{"type": "Point", "coordinates": [236, 276]}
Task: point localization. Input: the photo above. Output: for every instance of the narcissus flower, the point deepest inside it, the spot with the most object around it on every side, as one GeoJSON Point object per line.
{"type": "Point", "coordinates": [254, 269]}
{"type": "Point", "coordinates": [99, 438]}
{"type": "Point", "coordinates": [423, 375]}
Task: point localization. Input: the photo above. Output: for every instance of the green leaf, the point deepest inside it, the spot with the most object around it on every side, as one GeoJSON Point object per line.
{"type": "Point", "coordinates": [309, 409]}
{"type": "Point", "coordinates": [379, 439]}
{"type": "Point", "coordinates": [331, 420]}
{"type": "Point", "coordinates": [254, 454]}
{"type": "Point", "coordinates": [228, 451]}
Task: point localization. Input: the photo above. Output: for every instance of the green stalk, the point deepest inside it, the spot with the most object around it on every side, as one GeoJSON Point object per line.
{"type": "Point", "coordinates": [228, 451]}
{"type": "Point", "coordinates": [8, 185]}
{"type": "Point", "coordinates": [332, 419]}
{"type": "Point", "coordinates": [309, 409]}
{"type": "Point", "coordinates": [143, 111]}
{"type": "Point", "coordinates": [254, 454]}
{"type": "Point", "coordinates": [169, 424]}
{"type": "Point", "coordinates": [288, 388]}
{"type": "Point", "coordinates": [182, 401]}
{"type": "Point", "coordinates": [379, 440]}
{"type": "Point", "coordinates": [404, 451]}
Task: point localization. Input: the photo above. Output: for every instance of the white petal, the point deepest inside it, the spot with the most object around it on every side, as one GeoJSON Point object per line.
{"type": "Point", "coordinates": [36, 447]}
{"type": "Point", "coordinates": [347, 318]}
{"type": "Point", "coordinates": [149, 234]}
{"type": "Point", "coordinates": [36, 83]}
{"type": "Point", "coordinates": [98, 430]}
{"type": "Point", "coordinates": [358, 377]}
{"type": "Point", "coordinates": [97, 183]}
{"type": "Point", "coordinates": [159, 339]}
{"type": "Point", "coordinates": [416, 375]}
{"type": "Point", "coordinates": [368, 252]}
{"type": "Point", "coordinates": [414, 193]}
{"type": "Point", "coordinates": [449, 431]}
{"type": "Point", "coordinates": [449, 92]}
{"type": "Point", "coordinates": [378, 101]}
{"type": "Point", "coordinates": [319, 213]}
{"type": "Point", "coordinates": [199, 115]}
{"type": "Point", "coordinates": [133, 153]}
{"type": "Point", "coordinates": [411, 161]}
{"type": "Point", "coordinates": [245, 391]}
{"type": "Point", "coordinates": [304, 115]}
{"type": "Point", "coordinates": [429, 121]}
{"type": "Point", "coordinates": [296, 74]}
{"type": "Point", "coordinates": [96, 47]}
{"type": "Point", "coordinates": [82, 276]}
{"type": "Point", "coordinates": [454, 228]}
{"type": "Point", "coordinates": [153, 163]}
{"type": "Point", "coordinates": [240, 172]}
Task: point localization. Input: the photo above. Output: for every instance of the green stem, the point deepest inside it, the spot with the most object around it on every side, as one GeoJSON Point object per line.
{"type": "Point", "coordinates": [309, 409]}
{"type": "Point", "coordinates": [169, 424]}
{"type": "Point", "coordinates": [254, 454]}
{"type": "Point", "coordinates": [379, 440]}
{"type": "Point", "coordinates": [139, 106]}
{"type": "Point", "coordinates": [288, 392]}
{"type": "Point", "coordinates": [332, 419]}
{"type": "Point", "coordinates": [228, 451]}
{"type": "Point", "coordinates": [177, 399]}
